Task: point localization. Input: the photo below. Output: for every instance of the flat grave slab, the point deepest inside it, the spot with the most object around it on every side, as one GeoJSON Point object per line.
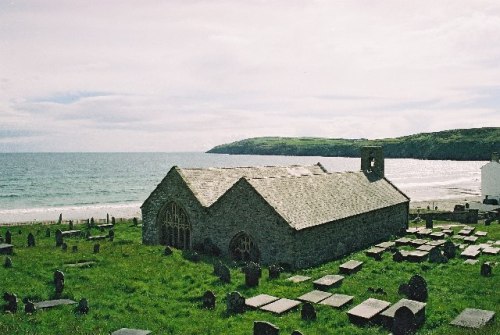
{"type": "Point", "coordinates": [447, 231]}
{"type": "Point", "coordinates": [484, 245]}
{"type": "Point", "coordinates": [74, 232]}
{"type": "Point", "coordinates": [367, 311]}
{"type": "Point", "coordinates": [298, 279]}
{"type": "Point", "coordinates": [260, 300]}
{"type": "Point", "coordinates": [425, 247]}
{"type": "Point", "coordinates": [350, 267]}
{"type": "Point", "coordinates": [128, 331]}
{"type": "Point", "coordinates": [374, 252]}
{"type": "Point", "coordinates": [80, 265]}
{"type": "Point", "coordinates": [411, 230]}
{"type": "Point", "coordinates": [417, 256]}
{"type": "Point", "coordinates": [470, 253]}
{"type": "Point", "coordinates": [437, 235]}
{"type": "Point", "coordinates": [53, 303]}
{"type": "Point", "coordinates": [458, 237]}
{"type": "Point", "coordinates": [97, 237]}
{"type": "Point", "coordinates": [280, 306]}
{"type": "Point", "coordinates": [424, 232]}
{"type": "Point", "coordinates": [6, 249]}
{"type": "Point", "coordinates": [385, 245]}
{"type": "Point", "coordinates": [491, 251]}
{"type": "Point", "coordinates": [436, 243]}
{"type": "Point", "coordinates": [473, 318]}
{"type": "Point", "coordinates": [337, 300]}
{"type": "Point", "coordinates": [465, 232]}
{"type": "Point", "coordinates": [328, 281]}
{"type": "Point", "coordinates": [403, 241]}
{"type": "Point", "coordinates": [481, 233]}
{"type": "Point", "coordinates": [314, 296]}
{"type": "Point", "coordinates": [418, 242]}
{"type": "Point", "coordinates": [417, 307]}
{"type": "Point", "coordinates": [471, 261]}
{"type": "Point", "coordinates": [470, 239]}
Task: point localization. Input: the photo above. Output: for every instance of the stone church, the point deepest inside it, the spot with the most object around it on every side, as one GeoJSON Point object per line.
{"type": "Point", "coordinates": [295, 215]}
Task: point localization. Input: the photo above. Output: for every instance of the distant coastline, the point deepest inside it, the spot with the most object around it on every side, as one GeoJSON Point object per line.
{"type": "Point", "coordinates": [474, 144]}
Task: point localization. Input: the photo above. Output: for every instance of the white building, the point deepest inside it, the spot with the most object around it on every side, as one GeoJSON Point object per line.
{"type": "Point", "coordinates": [490, 179]}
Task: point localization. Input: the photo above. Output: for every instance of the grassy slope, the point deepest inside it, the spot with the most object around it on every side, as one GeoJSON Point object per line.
{"type": "Point", "coordinates": [135, 286]}
{"type": "Point", "coordinates": [459, 144]}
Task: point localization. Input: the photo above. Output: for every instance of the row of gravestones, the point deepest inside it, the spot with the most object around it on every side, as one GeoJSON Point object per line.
{"type": "Point", "coordinates": [267, 328]}
{"type": "Point", "coordinates": [252, 271]}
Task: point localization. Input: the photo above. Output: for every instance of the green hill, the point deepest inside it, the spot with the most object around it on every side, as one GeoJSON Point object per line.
{"type": "Point", "coordinates": [457, 144]}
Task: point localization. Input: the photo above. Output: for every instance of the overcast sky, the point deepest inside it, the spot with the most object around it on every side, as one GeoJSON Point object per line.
{"type": "Point", "coordinates": [187, 75]}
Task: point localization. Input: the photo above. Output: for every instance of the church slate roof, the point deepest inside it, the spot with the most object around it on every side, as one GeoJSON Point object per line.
{"type": "Point", "coordinates": [209, 184]}
{"type": "Point", "coordinates": [313, 200]}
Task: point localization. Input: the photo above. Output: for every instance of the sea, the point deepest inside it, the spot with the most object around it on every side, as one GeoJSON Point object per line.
{"type": "Point", "coordinates": [41, 186]}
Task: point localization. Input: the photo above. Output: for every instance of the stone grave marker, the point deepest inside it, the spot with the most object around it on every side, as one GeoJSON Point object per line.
{"type": "Point", "coordinates": [437, 235]}
{"type": "Point", "coordinates": [74, 248]}
{"type": "Point", "coordinates": [59, 282]}
{"type": "Point", "coordinates": [275, 271]}
{"type": "Point", "coordinates": [70, 225]}
{"type": "Point", "coordinates": [423, 232]}
{"type": "Point", "coordinates": [465, 232]}
{"type": "Point", "coordinates": [29, 307]}
{"type": "Point", "coordinates": [416, 307]}
{"type": "Point", "coordinates": [111, 235]}
{"type": "Point", "coordinates": [417, 242]}
{"type": "Point", "coordinates": [298, 278]}
{"type": "Point", "coordinates": [59, 238]}
{"type": "Point", "coordinates": [64, 246]}
{"type": "Point", "coordinates": [81, 264]}
{"type": "Point", "coordinates": [417, 256]}
{"type": "Point", "coordinates": [47, 232]}
{"type": "Point", "coordinates": [400, 255]}
{"type": "Point", "coordinates": [97, 248]}
{"type": "Point", "coordinates": [417, 288]}
{"type": "Point", "coordinates": [83, 306]}
{"type": "Point", "coordinates": [327, 282]}
{"type": "Point", "coordinates": [470, 239]}
{"type": "Point", "coordinates": [129, 331]}
{"type": "Point", "coordinates": [337, 300]}
{"type": "Point", "coordinates": [386, 245]}
{"type": "Point", "coordinates": [252, 274]}
{"type": "Point", "coordinates": [473, 318]}
{"type": "Point", "coordinates": [448, 232]}
{"type": "Point", "coordinates": [314, 296]}
{"type": "Point", "coordinates": [280, 306]}
{"type": "Point", "coordinates": [11, 300]}
{"type": "Point", "coordinates": [428, 223]}
{"type": "Point", "coordinates": [435, 256]}
{"type": "Point", "coordinates": [404, 321]}
{"type": "Point", "coordinates": [470, 253]}
{"type": "Point", "coordinates": [308, 313]}
{"type": "Point", "coordinates": [350, 267]}
{"type": "Point", "coordinates": [6, 249]}
{"type": "Point", "coordinates": [426, 247]}
{"type": "Point", "coordinates": [8, 237]}
{"type": "Point", "coordinates": [436, 243]}
{"type": "Point", "coordinates": [449, 250]}
{"type": "Point", "coordinates": [375, 253]}
{"type": "Point", "coordinates": [8, 262]}
{"type": "Point", "coordinates": [481, 233]}
{"type": "Point", "coordinates": [471, 261]}
{"type": "Point", "coordinates": [260, 300]}
{"type": "Point", "coordinates": [235, 302]}
{"type": "Point", "coordinates": [264, 328]}
{"type": "Point", "coordinates": [403, 241]}
{"type": "Point", "coordinates": [209, 300]}
{"type": "Point", "coordinates": [367, 311]}
{"type": "Point", "coordinates": [486, 269]}
{"type": "Point", "coordinates": [491, 251]}
{"type": "Point", "coordinates": [411, 230]}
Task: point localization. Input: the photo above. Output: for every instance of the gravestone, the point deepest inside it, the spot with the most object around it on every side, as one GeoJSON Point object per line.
{"type": "Point", "coordinates": [399, 255]}
{"type": "Point", "coordinates": [260, 300]}
{"type": "Point", "coordinates": [337, 300]}
{"type": "Point", "coordinates": [47, 232]}
{"type": "Point", "coordinates": [74, 248]}
{"type": "Point", "coordinates": [8, 237]}
{"type": "Point", "coordinates": [298, 279]}
{"type": "Point", "coordinates": [54, 303]}
{"type": "Point", "coordinates": [235, 302]}
{"type": "Point", "coordinates": [252, 273]}
{"type": "Point", "coordinates": [449, 249]}
{"type": "Point", "coordinates": [111, 235]}
{"type": "Point", "coordinates": [59, 238]}
{"type": "Point", "coordinates": [314, 296]}
{"type": "Point", "coordinates": [375, 253]}
{"type": "Point", "coordinates": [113, 220]}
{"type": "Point", "coordinates": [281, 306]}
{"type": "Point", "coordinates": [264, 328]}
{"type": "Point", "coordinates": [92, 222]}
{"type": "Point", "coordinates": [416, 307]}
{"type": "Point", "coordinates": [29, 307]}
{"type": "Point", "coordinates": [97, 248]}
{"type": "Point", "coordinates": [83, 306]}
{"type": "Point", "coordinates": [308, 313]}
{"type": "Point", "coordinates": [209, 300]}
{"type": "Point", "coordinates": [368, 311]}
{"type": "Point", "coordinates": [404, 322]}
{"type": "Point", "coordinates": [486, 269]}
{"type": "Point", "coordinates": [328, 281]}
{"type": "Point", "coordinates": [64, 246]}
{"type": "Point", "coordinates": [275, 271]}
{"type": "Point", "coordinates": [429, 223]}
{"type": "Point", "coordinates": [224, 273]}
{"type": "Point", "coordinates": [107, 217]}
{"type": "Point", "coordinates": [129, 331]}
{"type": "Point", "coordinates": [435, 256]}
{"type": "Point", "coordinates": [134, 220]}
{"type": "Point", "coordinates": [8, 262]}
{"type": "Point", "coordinates": [417, 288]}
{"type": "Point", "coordinates": [473, 318]}
{"type": "Point", "coordinates": [350, 267]}
{"type": "Point", "coordinates": [70, 224]}
{"type": "Point", "coordinates": [168, 251]}
{"type": "Point", "coordinates": [11, 299]}
{"type": "Point", "coordinates": [59, 282]}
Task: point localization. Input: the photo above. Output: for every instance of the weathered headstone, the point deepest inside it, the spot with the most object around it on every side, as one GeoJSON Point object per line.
{"type": "Point", "coordinates": [404, 322]}
{"type": "Point", "coordinates": [74, 248]}
{"type": "Point", "coordinates": [264, 328]}
{"type": "Point", "coordinates": [59, 238]}
{"type": "Point", "coordinates": [417, 289]}
{"type": "Point", "coordinates": [59, 282]}
{"type": "Point", "coordinates": [435, 256]}
{"type": "Point", "coordinates": [308, 313]}
{"type": "Point", "coordinates": [83, 306]}
{"type": "Point", "coordinates": [59, 221]}
{"type": "Point", "coordinates": [275, 271]}
{"type": "Point", "coordinates": [473, 318]}
{"type": "Point", "coordinates": [31, 240]}
{"type": "Point", "coordinates": [449, 249]}
{"type": "Point", "coordinates": [209, 300]}
{"type": "Point", "coordinates": [47, 232]}
{"type": "Point", "coordinates": [29, 307]}
{"type": "Point", "coordinates": [107, 217]}
{"type": "Point", "coordinates": [8, 237]}
{"type": "Point", "coordinates": [350, 267]}
{"type": "Point", "coordinates": [429, 223]}
{"type": "Point", "coordinates": [314, 296]}
{"type": "Point", "coordinates": [367, 311]}
{"type": "Point", "coordinates": [92, 222]}
{"type": "Point", "coordinates": [260, 300]}
{"type": "Point", "coordinates": [235, 302]}
{"type": "Point", "coordinates": [224, 273]}
{"type": "Point", "coordinates": [252, 273]}
{"type": "Point", "coordinates": [168, 251]}
{"type": "Point", "coordinates": [337, 300]}
{"type": "Point", "coordinates": [486, 269]}
{"type": "Point", "coordinates": [71, 226]}
{"type": "Point", "coordinates": [97, 248]}
{"type": "Point", "coordinates": [11, 300]}
{"type": "Point", "coordinates": [64, 246]}
{"type": "Point", "coordinates": [134, 220]}
{"type": "Point", "coordinates": [111, 235]}
{"type": "Point", "coordinates": [398, 256]}
{"type": "Point", "coordinates": [8, 262]}
{"type": "Point", "coordinates": [113, 220]}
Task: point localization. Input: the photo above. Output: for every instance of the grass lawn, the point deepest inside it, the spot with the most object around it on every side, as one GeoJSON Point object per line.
{"type": "Point", "coordinates": [136, 286]}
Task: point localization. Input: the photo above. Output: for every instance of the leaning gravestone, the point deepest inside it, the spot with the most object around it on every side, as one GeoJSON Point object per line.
{"type": "Point", "coordinates": [31, 240]}
{"type": "Point", "coordinates": [209, 300]}
{"type": "Point", "coordinates": [404, 322]}
{"type": "Point", "coordinates": [11, 299]}
{"type": "Point", "coordinates": [59, 282]}
{"type": "Point", "coordinates": [308, 313]}
{"type": "Point", "coordinates": [235, 302]}
{"type": "Point", "coordinates": [264, 328]}
{"type": "Point", "coordinates": [252, 274]}
{"type": "Point", "coordinates": [59, 238]}
{"type": "Point", "coordinates": [224, 273]}
{"type": "Point", "coordinates": [417, 288]}
{"type": "Point", "coordinates": [8, 237]}
{"type": "Point", "coordinates": [486, 269]}
{"type": "Point", "coordinates": [449, 249]}
{"type": "Point", "coordinates": [275, 271]}
{"type": "Point", "coordinates": [8, 262]}
{"type": "Point", "coordinates": [29, 307]}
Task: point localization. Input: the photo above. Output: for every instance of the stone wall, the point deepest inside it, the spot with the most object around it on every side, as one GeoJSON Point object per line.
{"type": "Point", "coordinates": [322, 243]}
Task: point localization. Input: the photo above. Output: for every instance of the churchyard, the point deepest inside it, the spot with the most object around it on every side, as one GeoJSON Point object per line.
{"type": "Point", "coordinates": [102, 282]}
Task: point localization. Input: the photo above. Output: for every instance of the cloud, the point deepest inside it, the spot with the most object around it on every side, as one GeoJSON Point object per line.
{"type": "Point", "coordinates": [187, 75]}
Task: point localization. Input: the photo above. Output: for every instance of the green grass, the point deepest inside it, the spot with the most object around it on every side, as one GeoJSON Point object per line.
{"type": "Point", "coordinates": [135, 286]}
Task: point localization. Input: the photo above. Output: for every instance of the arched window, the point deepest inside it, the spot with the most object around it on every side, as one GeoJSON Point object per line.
{"type": "Point", "coordinates": [243, 248]}
{"type": "Point", "coordinates": [175, 228]}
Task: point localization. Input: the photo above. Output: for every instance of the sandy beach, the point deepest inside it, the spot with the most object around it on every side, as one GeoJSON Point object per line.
{"type": "Point", "coordinates": [446, 204]}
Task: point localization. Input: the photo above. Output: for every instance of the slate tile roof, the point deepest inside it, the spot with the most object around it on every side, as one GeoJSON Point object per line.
{"type": "Point", "coordinates": [209, 184]}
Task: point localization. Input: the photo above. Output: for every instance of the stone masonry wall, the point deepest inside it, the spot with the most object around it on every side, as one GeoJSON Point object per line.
{"type": "Point", "coordinates": [242, 209]}
{"type": "Point", "coordinates": [319, 244]}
